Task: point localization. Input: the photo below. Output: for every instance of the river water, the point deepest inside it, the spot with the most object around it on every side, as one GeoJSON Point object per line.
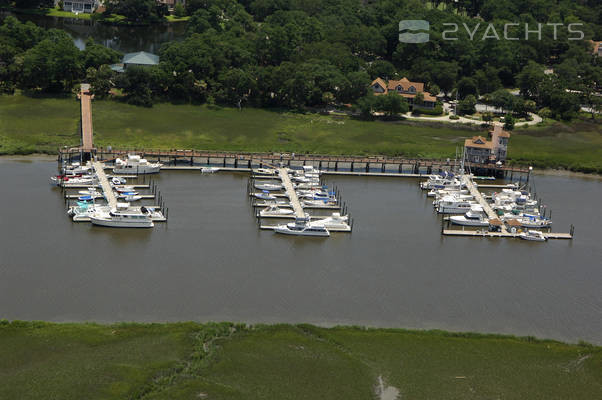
{"type": "Point", "coordinates": [125, 39]}
{"type": "Point", "coordinates": [211, 262]}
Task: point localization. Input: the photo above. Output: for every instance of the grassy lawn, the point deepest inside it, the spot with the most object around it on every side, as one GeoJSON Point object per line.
{"type": "Point", "coordinates": [41, 124]}
{"type": "Point", "coordinates": [225, 361]}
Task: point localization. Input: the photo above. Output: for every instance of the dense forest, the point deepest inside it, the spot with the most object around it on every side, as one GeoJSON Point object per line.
{"type": "Point", "coordinates": [310, 53]}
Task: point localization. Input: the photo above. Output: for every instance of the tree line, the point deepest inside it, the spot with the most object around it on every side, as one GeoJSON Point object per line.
{"type": "Point", "coordinates": [309, 53]}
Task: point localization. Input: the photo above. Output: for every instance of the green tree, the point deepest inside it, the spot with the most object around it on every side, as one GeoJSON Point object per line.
{"type": "Point", "coordinates": [96, 55]}
{"type": "Point", "coordinates": [100, 80]}
{"type": "Point", "coordinates": [503, 99]}
{"type": "Point", "coordinates": [53, 64]}
{"type": "Point", "coordinates": [179, 10]}
{"type": "Point", "coordinates": [135, 82]}
{"type": "Point", "coordinates": [467, 106]}
{"type": "Point", "coordinates": [530, 80]}
{"type": "Point", "coordinates": [467, 86]}
{"type": "Point", "coordinates": [391, 104]}
{"type": "Point", "coordinates": [508, 122]}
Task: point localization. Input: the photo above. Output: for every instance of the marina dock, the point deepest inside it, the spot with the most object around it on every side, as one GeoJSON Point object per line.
{"type": "Point", "coordinates": [291, 193]}
{"type": "Point", "coordinates": [506, 234]}
{"type": "Point", "coordinates": [478, 196]}
{"type": "Point", "coordinates": [104, 183]}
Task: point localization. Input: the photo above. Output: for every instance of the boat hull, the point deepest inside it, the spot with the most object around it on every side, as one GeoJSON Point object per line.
{"type": "Point", "coordinates": [121, 224]}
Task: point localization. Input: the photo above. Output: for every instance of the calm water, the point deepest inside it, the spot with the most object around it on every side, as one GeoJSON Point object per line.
{"type": "Point", "coordinates": [210, 262]}
{"type": "Point", "coordinates": [122, 38]}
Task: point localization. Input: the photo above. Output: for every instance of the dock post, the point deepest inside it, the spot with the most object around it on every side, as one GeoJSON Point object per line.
{"type": "Point", "coordinates": [224, 165]}
{"type": "Point", "coordinates": [336, 165]}
{"type": "Point", "coordinates": [382, 168]}
{"type": "Point", "coordinates": [235, 162]}
{"type": "Point", "coordinates": [400, 168]}
{"type": "Point", "coordinates": [352, 166]}
{"type": "Point", "coordinates": [367, 167]}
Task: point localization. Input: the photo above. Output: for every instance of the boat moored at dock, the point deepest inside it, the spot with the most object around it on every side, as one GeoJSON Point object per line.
{"type": "Point", "coordinates": [135, 165]}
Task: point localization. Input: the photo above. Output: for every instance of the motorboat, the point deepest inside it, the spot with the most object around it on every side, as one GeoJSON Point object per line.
{"type": "Point", "coordinates": [324, 203]}
{"type": "Point", "coordinates": [302, 227]}
{"type": "Point", "coordinates": [82, 211]}
{"type": "Point", "coordinates": [443, 192]}
{"type": "Point", "coordinates": [268, 186]}
{"type": "Point", "coordinates": [533, 221]}
{"type": "Point", "coordinates": [279, 203]}
{"type": "Point", "coordinates": [265, 171]}
{"type": "Point", "coordinates": [453, 205]}
{"type": "Point", "coordinates": [76, 169]}
{"type": "Point", "coordinates": [118, 181]}
{"type": "Point", "coordinates": [536, 236]}
{"type": "Point", "coordinates": [275, 211]}
{"type": "Point", "coordinates": [209, 170]}
{"type": "Point", "coordinates": [336, 222]}
{"type": "Point", "coordinates": [264, 195]}
{"type": "Point", "coordinates": [124, 189]}
{"type": "Point", "coordinates": [125, 217]}
{"type": "Point", "coordinates": [473, 217]}
{"type": "Point", "coordinates": [130, 196]}
{"type": "Point", "coordinates": [67, 181]}
{"type": "Point", "coordinates": [135, 165]}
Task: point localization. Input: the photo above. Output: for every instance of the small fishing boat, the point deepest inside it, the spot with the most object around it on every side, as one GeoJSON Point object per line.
{"type": "Point", "coordinates": [268, 186]}
{"type": "Point", "coordinates": [536, 236]}
{"type": "Point", "coordinates": [275, 211]}
{"type": "Point", "coordinates": [136, 165]}
{"type": "Point", "coordinates": [302, 227]}
{"type": "Point", "coordinates": [264, 195]}
{"type": "Point", "coordinates": [123, 189]}
{"type": "Point", "coordinates": [265, 171]}
{"type": "Point", "coordinates": [209, 170]}
{"type": "Point", "coordinates": [118, 181]}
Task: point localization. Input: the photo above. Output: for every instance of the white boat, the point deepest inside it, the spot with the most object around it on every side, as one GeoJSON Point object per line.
{"type": "Point", "coordinates": [135, 165]}
{"type": "Point", "coordinates": [82, 212]}
{"type": "Point", "coordinates": [473, 217]}
{"type": "Point", "coordinates": [77, 169]}
{"type": "Point", "coordinates": [123, 189]}
{"type": "Point", "coordinates": [66, 181]}
{"type": "Point", "coordinates": [268, 186]}
{"type": "Point", "coordinates": [536, 236]}
{"type": "Point", "coordinates": [123, 218]}
{"type": "Point", "coordinates": [326, 203]}
{"type": "Point", "coordinates": [130, 197]}
{"type": "Point", "coordinates": [532, 221]}
{"type": "Point", "coordinates": [444, 192]}
{"type": "Point", "coordinates": [265, 195]}
{"type": "Point", "coordinates": [275, 211]}
{"type": "Point", "coordinates": [209, 170]}
{"type": "Point", "coordinates": [118, 181]}
{"type": "Point", "coordinates": [265, 171]}
{"type": "Point", "coordinates": [302, 227]}
{"type": "Point", "coordinates": [334, 222]}
{"type": "Point", "coordinates": [453, 205]}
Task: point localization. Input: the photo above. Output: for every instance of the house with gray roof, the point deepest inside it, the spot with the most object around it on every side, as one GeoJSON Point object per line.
{"type": "Point", "coordinates": [80, 6]}
{"type": "Point", "coordinates": [140, 58]}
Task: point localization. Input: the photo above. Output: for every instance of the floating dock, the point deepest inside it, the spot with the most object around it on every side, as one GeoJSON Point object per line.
{"type": "Point", "coordinates": [104, 184]}
{"type": "Point", "coordinates": [290, 192]}
{"type": "Point", "coordinates": [478, 196]}
{"type": "Point", "coordinates": [483, 233]}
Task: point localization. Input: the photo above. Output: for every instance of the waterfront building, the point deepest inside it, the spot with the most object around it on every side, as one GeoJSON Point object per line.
{"type": "Point", "coordinates": [480, 150]}
{"type": "Point", "coordinates": [405, 88]}
{"type": "Point", "coordinates": [140, 58]}
{"type": "Point", "coordinates": [80, 6]}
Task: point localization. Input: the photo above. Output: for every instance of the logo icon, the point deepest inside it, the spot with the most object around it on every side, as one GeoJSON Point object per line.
{"type": "Point", "coordinates": [406, 27]}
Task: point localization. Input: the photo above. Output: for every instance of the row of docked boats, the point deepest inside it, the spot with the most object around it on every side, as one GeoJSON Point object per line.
{"type": "Point", "coordinates": [308, 191]}
{"type": "Point", "coordinates": [513, 207]}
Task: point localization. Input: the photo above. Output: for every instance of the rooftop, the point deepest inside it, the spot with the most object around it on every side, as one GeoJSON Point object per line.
{"type": "Point", "coordinates": [141, 58]}
{"type": "Point", "coordinates": [478, 142]}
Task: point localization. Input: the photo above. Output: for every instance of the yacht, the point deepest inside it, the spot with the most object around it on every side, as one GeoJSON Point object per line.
{"type": "Point", "coordinates": [77, 169]}
{"type": "Point", "coordinates": [453, 205]}
{"type": "Point", "coordinates": [135, 165]}
{"type": "Point", "coordinates": [334, 222]}
{"type": "Point", "coordinates": [473, 217]}
{"type": "Point", "coordinates": [125, 217]}
{"type": "Point", "coordinates": [275, 211]}
{"type": "Point", "coordinates": [268, 186]}
{"type": "Point", "coordinates": [302, 227]}
{"type": "Point", "coordinates": [76, 180]}
{"type": "Point", "coordinates": [118, 181]}
{"type": "Point", "coordinates": [319, 203]}
{"type": "Point", "coordinates": [536, 236]}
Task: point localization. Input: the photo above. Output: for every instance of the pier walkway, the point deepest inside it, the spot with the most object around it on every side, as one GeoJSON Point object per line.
{"type": "Point", "coordinates": [467, 180]}
{"type": "Point", "coordinates": [104, 184]}
{"type": "Point", "coordinates": [290, 192]}
{"type": "Point", "coordinates": [86, 117]}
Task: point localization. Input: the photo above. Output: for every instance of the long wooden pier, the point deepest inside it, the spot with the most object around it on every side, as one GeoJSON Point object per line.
{"type": "Point", "coordinates": [467, 180]}
{"type": "Point", "coordinates": [87, 137]}
{"type": "Point", "coordinates": [291, 193]}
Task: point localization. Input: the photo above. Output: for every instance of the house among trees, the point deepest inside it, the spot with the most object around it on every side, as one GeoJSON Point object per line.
{"type": "Point", "coordinates": [80, 6]}
{"type": "Point", "coordinates": [141, 58]}
{"type": "Point", "coordinates": [405, 88]}
{"type": "Point", "coordinates": [481, 151]}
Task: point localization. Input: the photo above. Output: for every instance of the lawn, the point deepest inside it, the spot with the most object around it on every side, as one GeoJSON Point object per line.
{"type": "Point", "coordinates": [41, 124]}
{"type": "Point", "coordinates": [226, 361]}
